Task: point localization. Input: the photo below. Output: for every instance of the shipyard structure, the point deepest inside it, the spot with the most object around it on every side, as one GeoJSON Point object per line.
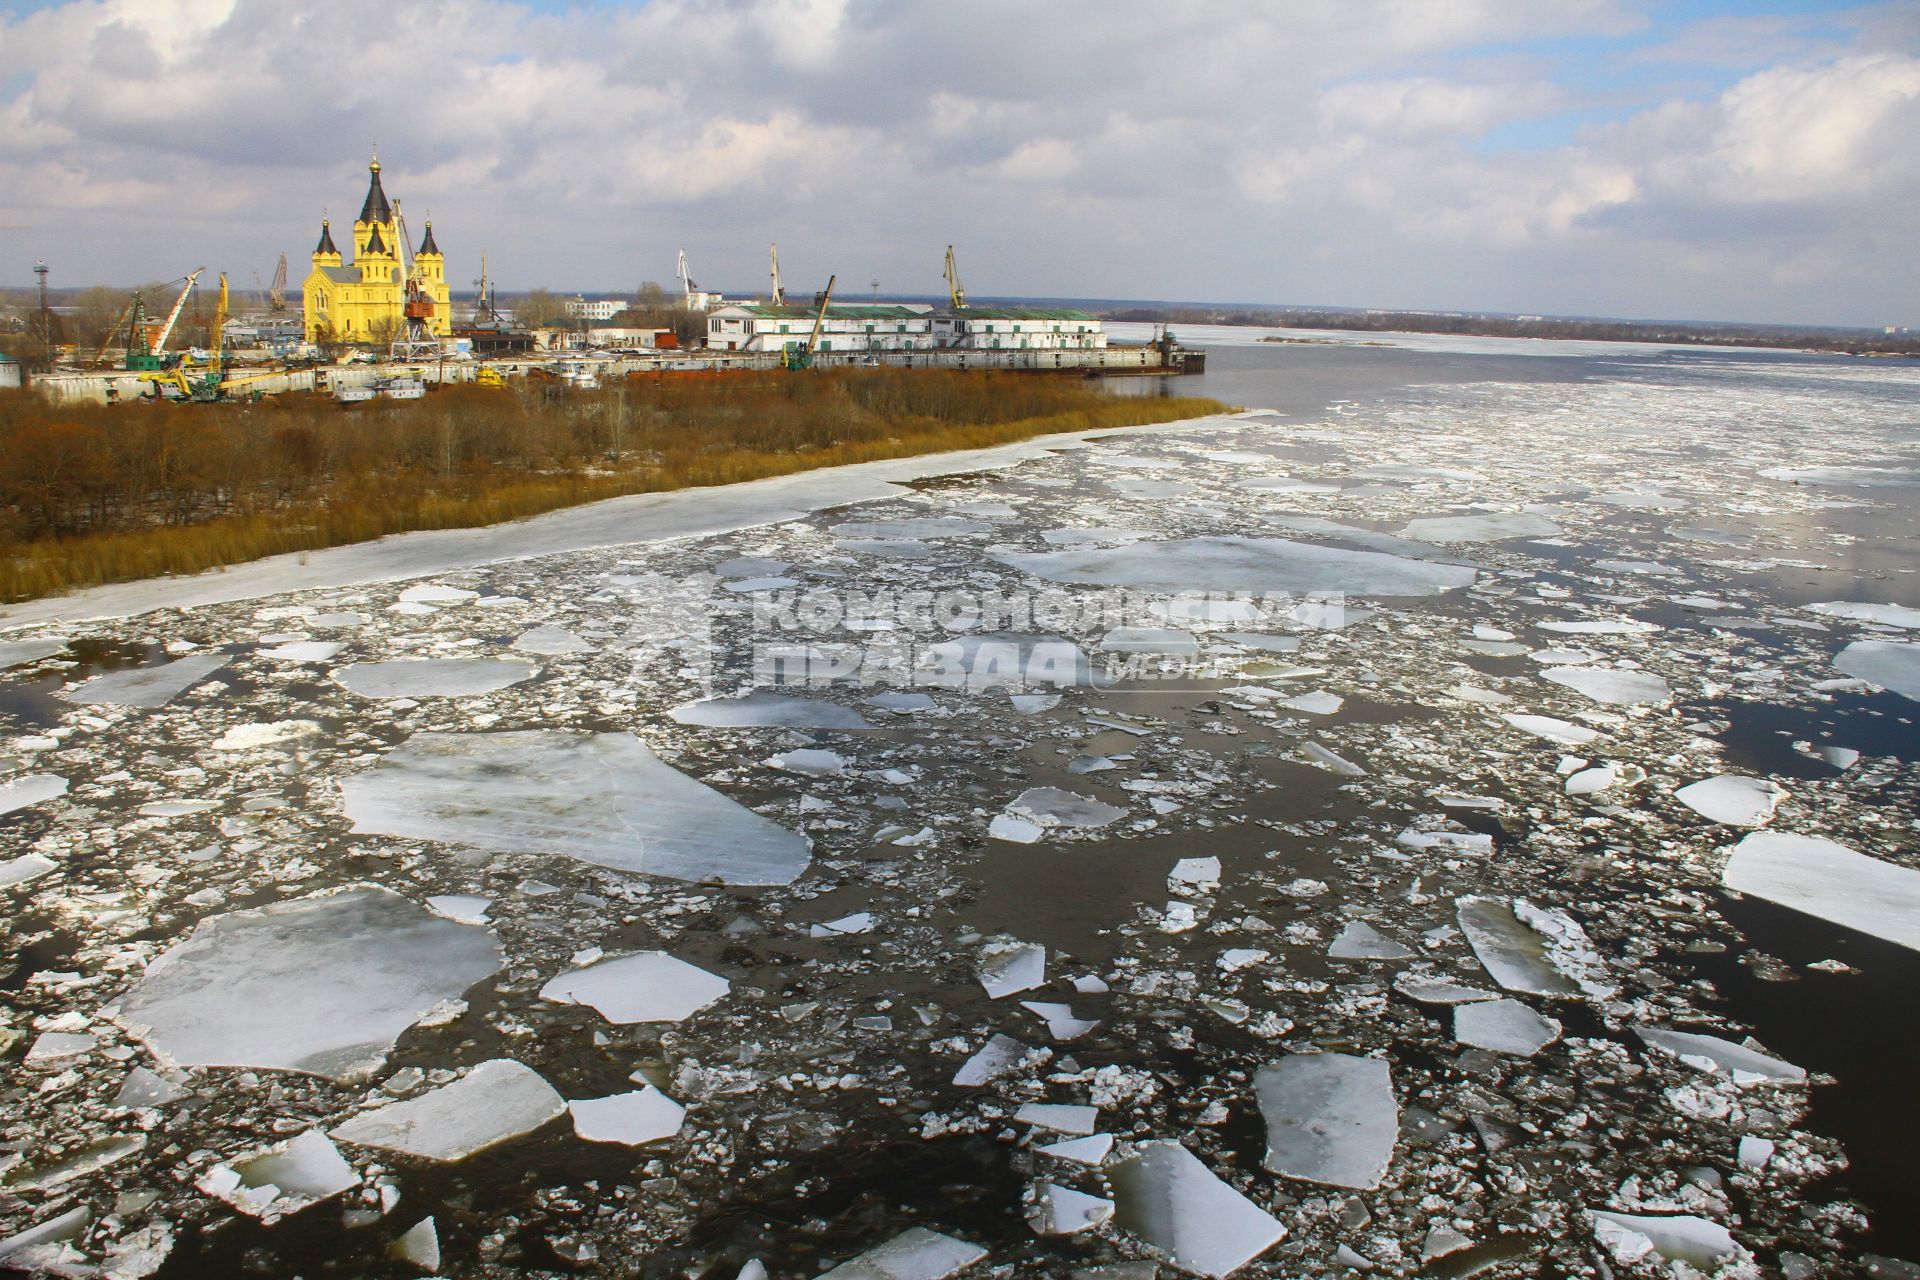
{"type": "Point", "coordinates": [861, 327]}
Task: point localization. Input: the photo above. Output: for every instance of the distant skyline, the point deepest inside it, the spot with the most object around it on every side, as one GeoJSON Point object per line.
{"type": "Point", "coordinates": [1704, 160]}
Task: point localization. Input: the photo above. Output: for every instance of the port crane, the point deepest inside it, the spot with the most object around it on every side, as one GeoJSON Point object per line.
{"type": "Point", "coordinates": [779, 298]}
{"type": "Point", "coordinates": [955, 294]}
{"type": "Point", "coordinates": [687, 286]}
{"type": "Point", "coordinates": [416, 340]}
{"type": "Point", "coordinates": [801, 357]}
{"type": "Point", "coordinates": [144, 351]}
{"type": "Point", "coordinates": [277, 291]}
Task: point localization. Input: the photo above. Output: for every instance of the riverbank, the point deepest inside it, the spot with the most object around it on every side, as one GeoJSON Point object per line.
{"type": "Point", "coordinates": [118, 496]}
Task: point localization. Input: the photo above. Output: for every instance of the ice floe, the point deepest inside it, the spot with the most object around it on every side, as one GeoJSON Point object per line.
{"type": "Point", "coordinates": [602, 798]}
{"type": "Point", "coordinates": [1829, 881]}
{"type": "Point", "coordinates": [1886, 615]}
{"type": "Point", "coordinates": [1331, 1118]}
{"type": "Point", "coordinates": [1609, 685]}
{"type": "Point", "coordinates": [648, 986]}
{"type": "Point", "coordinates": [153, 686]}
{"type": "Point", "coordinates": [1244, 564]}
{"type": "Point", "coordinates": [1504, 1026]}
{"type": "Point", "coordinates": [1733, 799]}
{"type": "Point", "coordinates": [283, 1179]}
{"type": "Point", "coordinates": [322, 985]}
{"type": "Point", "coordinates": [1163, 1194]}
{"type": "Point", "coordinates": [1042, 811]}
{"type": "Point", "coordinates": [1492, 527]}
{"type": "Point", "coordinates": [498, 1101]}
{"type": "Point", "coordinates": [1711, 1053]}
{"type": "Point", "coordinates": [762, 710]}
{"type": "Point", "coordinates": [914, 1254]}
{"type": "Point", "coordinates": [630, 1119]}
{"type": "Point", "coordinates": [1553, 730]}
{"type": "Point", "coordinates": [29, 789]}
{"type": "Point", "coordinates": [434, 677]}
{"type": "Point", "coordinates": [1682, 1238]}
{"type": "Point", "coordinates": [1891, 664]}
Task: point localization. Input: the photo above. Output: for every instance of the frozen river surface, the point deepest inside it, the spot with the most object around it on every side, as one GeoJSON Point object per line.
{"type": "Point", "coordinates": [1457, 820]}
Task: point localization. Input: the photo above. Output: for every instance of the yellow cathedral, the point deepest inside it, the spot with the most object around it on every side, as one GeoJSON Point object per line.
{"type": "Point", "coordinates": [367, 302]}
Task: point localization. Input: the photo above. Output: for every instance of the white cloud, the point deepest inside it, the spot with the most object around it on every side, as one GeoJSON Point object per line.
{"type": "Point", "coordinates": [1316, 151]}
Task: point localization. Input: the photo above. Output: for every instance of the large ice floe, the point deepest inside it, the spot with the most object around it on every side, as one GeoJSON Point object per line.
{"type": "Point", "coordinates": [1331, 1118]}
{"type": "Point", "coordinates": [1826, 879]}
{"type": "Point", "coordinates": [603, 798]}
{"type": "Point", "coordinates": [153, 686]}
{"type": "Point", "coordinates": [1165, 1195]}
{"type": "Point", "coordinates": [322, 985]}
{"type": "Point", "coordinates": [1243, 564]}
{"type": "Point", "coordinates": [1891, 664]}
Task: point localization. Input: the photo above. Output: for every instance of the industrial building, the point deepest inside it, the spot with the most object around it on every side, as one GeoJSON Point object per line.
{"type": "Point", "coordinates": [861, 327]}
{"type": "Point", "coordinates": [579, 308]}
{"type": "Point", "coordinates": [389, 289]}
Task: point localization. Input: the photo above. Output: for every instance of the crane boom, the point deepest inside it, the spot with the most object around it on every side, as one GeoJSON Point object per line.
{"type": "Point", "coordinates": [119, 324]}
{"type": "Point", "coordinates": [166, 330]}
{"type": "Point", "coordinates": [219, 326]}
{"type": "Point", "coordinates": [779, 292]}
{"type": "Point", "coordinates": [820, 317]}
{"type": "Point", "coordinates": [956, 294]}
{"type": "Point", "coordinates": [277, 293]}
{"type": "Point", "coordinates": [687, 286]}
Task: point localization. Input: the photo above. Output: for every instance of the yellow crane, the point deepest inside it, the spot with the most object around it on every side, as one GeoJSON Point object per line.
{"type": "Point", "coordinates": [955, 293]}
{"type": "Point", "coordinates": [802, 357]}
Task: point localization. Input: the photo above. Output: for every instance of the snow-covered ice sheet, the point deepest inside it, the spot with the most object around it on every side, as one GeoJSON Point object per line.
{"type": "Point", "coordinates": [603, 798]}
{"type": "Point", "coordinates": [1891, 664]}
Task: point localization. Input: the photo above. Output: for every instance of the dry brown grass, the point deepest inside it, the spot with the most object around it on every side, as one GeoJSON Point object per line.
{"type": "Point", "coordinates": [95, 496]}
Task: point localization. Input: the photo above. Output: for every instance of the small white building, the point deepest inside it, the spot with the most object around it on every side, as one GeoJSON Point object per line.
{"type": "Point", "coordinates": [761, 326]}
{"type": "Point", "coordinates": [991, 328]}
{"type": "Point", "coordinates": [579, 308]}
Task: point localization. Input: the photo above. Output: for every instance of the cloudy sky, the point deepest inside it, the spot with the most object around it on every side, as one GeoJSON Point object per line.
{"type": "Point", "coordinates": [1706, 159]}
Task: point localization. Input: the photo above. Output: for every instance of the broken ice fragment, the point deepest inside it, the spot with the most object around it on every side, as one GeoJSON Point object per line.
{"type": "Point", "coordinates": [603, 798]}
{"type": "Point", "coordinates": [142, 1088]}
{"type": "Point", "coordinates": [1061, 1024]}
{"type": "Point", "coordinates": [649, 986]}
{"type": "Point", "coordinates": [1829, 881]}
{"type": "Point", "coordinates": [1513, 954]}
{"type": "Point", "coordinates": [1010, 967]}
{"type": "Point", "coordinates": [1599, 627]}
{"type": "Point", "coordinates": [1504, 1026]}
{"type": "Point", "coordinates": [497, 1101]}
{"type": "Point", "coordinates": [1887, 615]}
{"type": "Point", "coordinates": [147, 686]}
{"type": "Point", "coordinates": [418, 1246]}
{"type": "Point", "coordinates": [1062, 1211]}
{"type": "Point", "coordinates": [1552, 730]}
{"type": "Point", "coordinates": [1060, 1117]}
{"type": "Point", "coordinates": [1331, 1118]}
{"type": "Point", "coordinates": [282, 1179]}
{"type": "Point", "coordinates": [322, 985]}
{"type": "Point", "coordinates": [1243, 564]}
{"type": "Point", "coordinates": [858, 922]}
{"type": "Point", "coordinates": [1052, 810]}
{"type": "Point", "coordinates": [30, 788]}
{"type": "Point", "coordinates": [14, 653]}
{"type": "Point", "coordinates": [434, 677]}
{"type": "Point", "coordinates": [1427, 989]}
{"type": "Point", "coordinates": [1090, 1150]}
{"type": "Point", "coordinates": [1006, 660]}
{"type": "Point", "coordinates": [1610, 685]}
{"type": "Point", "coordinates": [762, 710]}
{"type": "Point", "coordinates": [1498, 526]}
{"type": "Point", "coordinates": [255, 737]}
{"type": "Point", "coordinates": [1198, 876]}
{"type": "Point", "coordinates": [75, 1163]}
{"type": "Point", "coordinates": [461, 908]}
{"type": "Point", "coordinates": [1164, 641]}
{"type": "Point", "coordinates": [1331, 762]}
{"type": "Point", "coordinates": [549, 641]}
{"type": "Point", "coordinates": [914, 1254]}
{"type": "Point", "coordinates": [28, 866]}
{"type": "Point", "coordinates": [1361, 941]}
{"type": "Point", "coordinates": [1633, 1237]}
{"type": "Point", "coordinates": [999, 1055]}
{"type": "Point", "coordinates": [1735, 800]}
{"type": "Point", "coordinates": [1891, 664]}
{"type": "Point", "coordinates": [1711, 1053]}
{"type": "Point", "coordinates": [1163, 1194]}
{"type": "Point", "coordinates": [631, 1119]}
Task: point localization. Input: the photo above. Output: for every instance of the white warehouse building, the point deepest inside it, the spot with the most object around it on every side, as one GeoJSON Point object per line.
{"type": "Point", "coordinates": [859, 327]}
{"type": "Point", "coordinates": [762, 326]}
{"type": "Point", "coordinates": [598, 309]}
